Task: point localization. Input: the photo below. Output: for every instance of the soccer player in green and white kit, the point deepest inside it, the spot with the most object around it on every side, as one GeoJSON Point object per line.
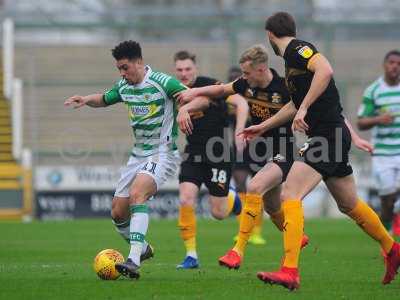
{"type": "Point", "coordinates": [150, 99]}
{"type": "Point", "coordinates": [380, 110]}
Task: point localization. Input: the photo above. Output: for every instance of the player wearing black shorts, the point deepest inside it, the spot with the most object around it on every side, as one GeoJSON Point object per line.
{"type": "Point", "coordinates": [316, 106]}
{"type": "Point", "coordinates": [243, 167]}
{"type": "Point", "coordinates": [266, 94]}
{"type": "Point", "coordinates": [206, 158]}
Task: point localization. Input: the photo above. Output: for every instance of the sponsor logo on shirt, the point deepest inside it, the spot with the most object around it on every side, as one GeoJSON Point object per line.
{"type": "Point", "coordinates": [140, 110]}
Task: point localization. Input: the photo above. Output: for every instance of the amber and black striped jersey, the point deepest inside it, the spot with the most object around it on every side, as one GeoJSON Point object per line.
{"type": "Point", "coordinates": [325, 113]}
{"type": "Point", "coordinates": [265, 102]}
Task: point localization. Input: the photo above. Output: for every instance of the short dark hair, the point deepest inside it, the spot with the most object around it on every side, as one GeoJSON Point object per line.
{"type": "Point", "coordinates": [127, 50]}
{"type": "Point", "coordinates": [184, 54]}
{"type": "Point", "coordinates": [390, 53]}
{"type": "Point", "coordinates": [281, 24]}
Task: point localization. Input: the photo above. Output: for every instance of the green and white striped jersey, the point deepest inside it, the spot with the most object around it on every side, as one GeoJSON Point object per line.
{"type": "Point", "coordinates": [379, 98]}
{"type": "Point", "coordinates": [152, 110]}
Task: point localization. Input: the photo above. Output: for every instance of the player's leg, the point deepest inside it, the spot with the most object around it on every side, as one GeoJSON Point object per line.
{"type": "Point", "coordinates": [387, 206]}
{"type": "Point", "coordinates": [142, 188]}
{"type": "Point", "coordinates": [266, 179]}
{"type": "Point", "coordinates": [385, 172]}
{"type": "Point", "coordinates": [224, 206]}
{"type": "Point", "coordinates": [300, 181]}
{"type": "Point", "coordinates": [120, 216]}
{"type": "Point", "coordinates": [256, 237]}
{"type": "Point", "coordinates": [188, 193]}
{"type": "Point", "coordinates": [221, 207]}
{"type": "Point", "coordinates": [146, 175]}
{"type": "Point", "coordinates": [240, 174]}
{"type": "Point", "coordinates": [396, 208]}
{"type": "Point", "coordinates": [223, 200]}
{"type": "Point", "coordinates": [273, 207]}
{"type": "Point", "coordinates": [343, 190]}
{"type": "Point", "coordinates": [190, 179]}
{"type": "Point", "coordinates": [256, 164]}
{"type": "Point", "coordinates": [120, 213]}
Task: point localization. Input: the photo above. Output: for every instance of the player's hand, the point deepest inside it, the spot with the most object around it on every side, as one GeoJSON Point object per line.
{"type": "Point", "coordinates": [186, 96]}
{"type": "Point", "coordinates": [76, 101]}
{"type": "Point", "coordinates": [298, 122]}
{"type": "Point", "coordinates": [386, 119]}
{"type": "Point", "coordinates": [251, 132]}
{"type": "Point", "coordinates": [184, 121]}
{"type": "Point", "coordinates": [363, 145]}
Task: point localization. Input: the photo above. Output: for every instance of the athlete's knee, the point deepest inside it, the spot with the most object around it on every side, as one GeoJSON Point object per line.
{"type": "Point", "coordinates": [119, 211]}
{"type": "Point", "coordinates": [255, 187]}
{"type": "Point", "coordinates": [218, 213]}
{"type": "Point", "coordinates": [187, 198]}
{"type": "Point", "coordinates": [219, 207]}
{"type": "Point", "coordinates": [347, 205]}
{"type": "Point", "coordinates": [137, 196]}
{"type": "Point", "coordinates": [288, 192]}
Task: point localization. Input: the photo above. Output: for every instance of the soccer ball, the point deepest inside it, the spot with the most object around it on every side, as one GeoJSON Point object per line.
{"type": "Point", "coordinates": [104, 264]}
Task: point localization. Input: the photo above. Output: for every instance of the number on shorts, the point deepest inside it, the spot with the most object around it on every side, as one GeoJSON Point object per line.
{"type": "Point", "coordinates": [150, 167]}
{"type": "Point", "coordinates": [218, 176]}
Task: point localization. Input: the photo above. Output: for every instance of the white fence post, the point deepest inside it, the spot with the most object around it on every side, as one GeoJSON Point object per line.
{"type": "Point", "coordinates": [8, 57]}
{"type": "Point", "coordinates": [17, 120]}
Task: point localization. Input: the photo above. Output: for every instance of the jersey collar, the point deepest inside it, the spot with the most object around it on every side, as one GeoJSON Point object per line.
{"type": "Point", "coordinates": [286, 53]}
{"type": "Point", "coordinates": [146, 76]}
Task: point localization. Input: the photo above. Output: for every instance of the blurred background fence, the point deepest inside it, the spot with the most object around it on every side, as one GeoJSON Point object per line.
{"type": "Point", "coordinates": [63, 48]}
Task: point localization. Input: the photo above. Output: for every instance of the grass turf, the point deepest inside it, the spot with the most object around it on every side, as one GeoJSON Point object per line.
{"type": "Point", "coordinates": [53, 260]}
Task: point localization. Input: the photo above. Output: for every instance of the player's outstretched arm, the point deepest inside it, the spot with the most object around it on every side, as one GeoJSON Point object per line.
{"type": "Point", "coordinates": [211, 91]}
{"type": "Point", "coordinates": [184, 119]}
{"type": "Point", "coordinates": [357, 140]}
{"type": "Point", "coordinates": [242, 113]}
{"type": "Point", "coordinates": [285, 114]}
{"type": "Point", "coordinates": [94, 100]}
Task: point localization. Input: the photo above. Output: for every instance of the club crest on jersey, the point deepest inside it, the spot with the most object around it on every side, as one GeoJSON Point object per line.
{"type": "Point", "coordinates": [276, 98]}
{"type": "Point", "coordinates": [305, 52]}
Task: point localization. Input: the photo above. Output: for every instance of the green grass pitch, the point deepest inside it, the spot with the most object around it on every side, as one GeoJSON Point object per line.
{"type": "Point", "coordinates": [53, 260]}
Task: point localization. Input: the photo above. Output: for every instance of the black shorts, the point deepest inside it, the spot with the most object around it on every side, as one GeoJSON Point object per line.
{"type": "Point", "coordinates": [215, 176]}
{"type": "Point", "coordinates": [329, 156]}
{"type": "Point", "coordinates": [283, 158]}
{"type": "Point", "coordinates": [253, 159]}
{"type": "Point", "coordinates": [284, 163]}
{"type": "Point", "coordinates": [241, 161]}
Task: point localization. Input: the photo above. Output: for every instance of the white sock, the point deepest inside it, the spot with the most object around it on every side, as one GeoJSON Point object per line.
{"type": "Point", "coordinates": [192, 254]}
{"type": "Point", "coordinates": [138, 229]}
{"type": "Point", "coordinates": [123, 228]}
